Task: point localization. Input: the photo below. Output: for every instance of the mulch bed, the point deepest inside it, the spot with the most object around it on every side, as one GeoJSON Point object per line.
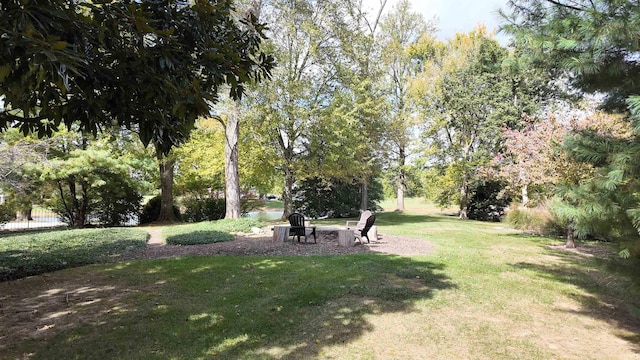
{"type": "Point", "coordinates": [263, 245]}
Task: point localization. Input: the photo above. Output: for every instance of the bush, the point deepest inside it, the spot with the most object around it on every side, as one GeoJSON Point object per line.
{"type": "Point", "coordinates": [6, 213]}
{"type": "Point", "coordinates": [207, 209]}
{"type": "Point", "coordinates": [210, 209]}
{"type": "Point", "coordinates": [538, 220]}
{"type": "Point", "coordinates": [249, 204]}
{"type": "Point", "coordinates": [316, 197]}
{"type": "Point", "coordinates": [199, 237]}
{"type": "Point", "coordinates": [151, 211]}
{"type": "Point", "coordinates": [207, 232]}
{"type": "Point", "coordinates": [486, 204]}
{"type": "Point", "coordinates": [115, 203]}
{"type": "Point", "coordinates": [239, 225]}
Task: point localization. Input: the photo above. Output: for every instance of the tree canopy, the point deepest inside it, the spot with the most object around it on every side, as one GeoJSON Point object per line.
{"type": "Point", "coordinates": [152, 65]}
{"type": "Point", "coordinates": [594, 43]}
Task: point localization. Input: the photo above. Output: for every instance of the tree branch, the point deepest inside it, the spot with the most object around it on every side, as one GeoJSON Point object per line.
{"type": "Point", "coordinates": [558, 3]}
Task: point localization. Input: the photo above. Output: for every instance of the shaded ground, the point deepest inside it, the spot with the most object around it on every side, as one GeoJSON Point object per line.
{"type": "Point", "coordinates": [28, 313]}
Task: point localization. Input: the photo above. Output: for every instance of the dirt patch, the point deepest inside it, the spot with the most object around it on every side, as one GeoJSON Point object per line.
{"type": "Point", "coordinates": [263, 245]}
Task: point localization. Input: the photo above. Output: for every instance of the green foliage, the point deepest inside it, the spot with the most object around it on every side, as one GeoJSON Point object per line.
{"type": "Point", "coordinates": [468, 96]}
{"type": "Point", "coordinates": [321, 116]}
{"type": "Point", "coordinates": [316, 197]}
{"type": "Point", "coordinates": [200, 161]}
{"type": "Point", "coordinates": [210, 209]}
{"type": "Point", "coordinates": [151, 211]}
{"type": "Point", "coordinates": [207, 232]}
{"type": "Point", "coordinates": [117, 202]}
{"type": "Point", "coordinates": [486, 204]}
{"type": "Point", "coordinates": [6, 213]}
{"type": "Point", "coordinates": [586, 41]}
{"type": "Point", "coordinates": [206, 209]}
{"type": "Point", "coordinates": [40, 252]}
{"type": "Point", "coordinates": [236, 225]}
{"type": "Point", "coordinates": [73, 62]}
{"type": "Point", "coordinates": [22, 188]}
{"type": "Point", "coordinates": [198, 236]}
{"type": "Point", "coordinates": [90, 183]}
{"type": "Point", "coordinates": [590, 42]}
{"type": "Point", "coordinates": [413, 179]}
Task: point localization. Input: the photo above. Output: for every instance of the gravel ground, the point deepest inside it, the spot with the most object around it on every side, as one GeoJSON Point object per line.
{"type": "Point", "coordinates": [249, 244]}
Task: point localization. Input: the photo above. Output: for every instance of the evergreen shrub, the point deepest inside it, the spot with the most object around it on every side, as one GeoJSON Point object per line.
{"type": "Point", "coordinates": [151, 211]}
{"type": "Point", "coordinates": [203, 209]}
{"type": "Point", "coordinates": [486, 204]}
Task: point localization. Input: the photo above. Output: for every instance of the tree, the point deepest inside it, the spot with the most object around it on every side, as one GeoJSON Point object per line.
{"type": "Point", "coordinates": [532, 157]}
{"type": "Point", "coordinates": [231, 124]}
{"type": "Point", "coordinates": [201, 165]}
{"type": "Point", "coordinates": [399, 30]}
{"type": "Point", "coordinates": [200, 161]}
{"type": "Point", "coordinates": [293, 112]}
{"type": "Point", "coordinates": [593, 44]}
{"type": "Point", "coordinates": [87, 182]}
{"type": "Point", "coordinates": [466, 105]}
{"type": "Point", "coordinates": [360, 107]}
{"type": "Point", "coordinates": [150, 66]}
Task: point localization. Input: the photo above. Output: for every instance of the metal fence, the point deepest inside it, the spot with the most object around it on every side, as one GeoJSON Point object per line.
{"type": "Point", "coordinates": [40, 218]}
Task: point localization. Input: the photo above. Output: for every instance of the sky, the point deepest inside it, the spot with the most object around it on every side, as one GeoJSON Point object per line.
{"type": "Point", "coordinates": [455, 15]}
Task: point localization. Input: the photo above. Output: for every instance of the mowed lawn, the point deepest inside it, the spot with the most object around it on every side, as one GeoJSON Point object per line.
{"type": "Point", "coordinates": [486, 292]}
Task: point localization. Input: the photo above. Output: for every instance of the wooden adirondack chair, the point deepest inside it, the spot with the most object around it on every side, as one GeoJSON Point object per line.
{"type": "Point", "coordinates": [361, 227]}
{"type": "Point", "coordinates": [299, 229]}
{"type": "Point", "coordinates": [365, 230]}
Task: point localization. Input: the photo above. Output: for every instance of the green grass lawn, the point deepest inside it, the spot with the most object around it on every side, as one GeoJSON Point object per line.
{"type": "Point", "coordinates": [486, 292]}
{"type": "Point", "coordinates": [273, 205]}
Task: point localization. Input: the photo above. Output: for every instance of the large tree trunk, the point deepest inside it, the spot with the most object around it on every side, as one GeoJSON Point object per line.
{"type": "Point", "coordinates": [364, 196]}
{"type": "Point", "coordinates": [571, 242]}
{"type": "Point", "coordinates": [166, 188]}
{"type": "Point", "coordinates": [24, 214]}
{"type": "Point", "coordinates": [232, 179]}
{"type": "Point", "coordinates": [77, 214]}
{"type": "Point", "coordinates": [287, 197]}
{"type": "Point", "coordinates": [525, 195]}
{"type": "Point", "coordinates": [400, 198]}
{"type": "Point", "coordinates": [402, 182]}
{"type": "Point", "coordinates": [464, 202]}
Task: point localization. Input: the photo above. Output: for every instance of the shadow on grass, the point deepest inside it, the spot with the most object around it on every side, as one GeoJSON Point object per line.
{"type": "Point", "coordinates": [238, 307]}
{"type": "Point", "coordinates": [610, 296]}
{"type": "Point", "coordinates": [16, 264]}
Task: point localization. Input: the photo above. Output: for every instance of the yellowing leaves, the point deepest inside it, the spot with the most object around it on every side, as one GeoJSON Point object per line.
{"type": "Point", "coordinates": [4, 72]}
{"type": "Point", "coordinates": [59, 45]}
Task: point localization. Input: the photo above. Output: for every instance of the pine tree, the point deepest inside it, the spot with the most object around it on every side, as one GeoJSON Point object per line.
{"type": "Point", "coordinates": [594, 44]}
